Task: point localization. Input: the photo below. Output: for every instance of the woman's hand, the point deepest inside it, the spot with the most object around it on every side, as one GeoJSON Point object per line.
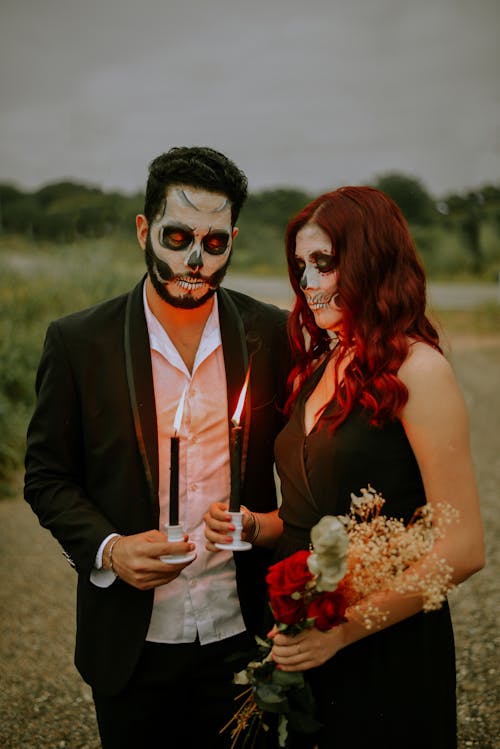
{"type": "Point", "coordinates": [309, 649]}
{"type": "Point", "coordinates": [219, 528]}
{"type": "Point", "coordinates": [260, 529]}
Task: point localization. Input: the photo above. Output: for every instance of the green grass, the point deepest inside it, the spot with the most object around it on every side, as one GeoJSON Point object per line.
{"type": "Point", "coordinates": [482, 320]}
{"type": "Point", "coordinates": [40, 282]}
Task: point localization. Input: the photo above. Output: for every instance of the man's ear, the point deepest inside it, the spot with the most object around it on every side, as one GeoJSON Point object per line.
{"type": "Point", "coordinates": [235, 232]}
{"type": "Point", "coordinates": [142, 226]}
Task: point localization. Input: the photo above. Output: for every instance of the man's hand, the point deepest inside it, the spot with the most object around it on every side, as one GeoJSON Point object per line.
{"type": "Point", "coordinates": [136, 559]}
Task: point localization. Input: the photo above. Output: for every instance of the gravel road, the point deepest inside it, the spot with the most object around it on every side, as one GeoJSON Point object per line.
{"type": "Point", "coordinates": [277, 290]}
{"type": "Point", "coordinates": [45, 705]}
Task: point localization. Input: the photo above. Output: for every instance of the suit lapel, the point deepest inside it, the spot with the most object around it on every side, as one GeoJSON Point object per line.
{"type": "Point", "coordinates": [140, 385]}
{"type": "Point", "coordinates": [140, 379]}
{"type": "Point", "coordinates": [234, 347]}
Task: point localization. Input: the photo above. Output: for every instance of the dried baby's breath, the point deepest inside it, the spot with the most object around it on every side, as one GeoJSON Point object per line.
{"type": "Point", "coordinates": [382, 551]}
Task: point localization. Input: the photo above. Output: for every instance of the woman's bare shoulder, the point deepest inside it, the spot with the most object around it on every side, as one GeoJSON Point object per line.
{"type": "Point", "coordinates": [433, 389]}
{"type": "Point", "coordinates": [424, 361]}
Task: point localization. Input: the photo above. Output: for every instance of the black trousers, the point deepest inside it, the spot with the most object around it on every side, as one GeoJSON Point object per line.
{"type": "Point", "coordinates": [178, 696]}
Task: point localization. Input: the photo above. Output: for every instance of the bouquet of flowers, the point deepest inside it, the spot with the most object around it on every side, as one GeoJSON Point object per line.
{"type": "Point", "coordinates": [352, 557]}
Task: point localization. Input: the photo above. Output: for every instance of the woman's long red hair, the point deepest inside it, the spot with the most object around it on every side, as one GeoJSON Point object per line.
{"type": "Point", "coordinates": [382, 288]}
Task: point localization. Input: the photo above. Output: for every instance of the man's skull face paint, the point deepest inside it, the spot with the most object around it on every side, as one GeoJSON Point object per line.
{"type": "Point", "coordinates": [189, 245]}
{"type": "Point", "coordinates": [315, 265]}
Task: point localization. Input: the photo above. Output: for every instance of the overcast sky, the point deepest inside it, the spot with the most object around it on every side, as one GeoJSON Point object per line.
{"type": "Point", "coordinates": [305, 93]}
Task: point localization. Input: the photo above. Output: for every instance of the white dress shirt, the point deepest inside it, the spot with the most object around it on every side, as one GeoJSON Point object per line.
{"type": "Point", "coordinates": [203, 599]}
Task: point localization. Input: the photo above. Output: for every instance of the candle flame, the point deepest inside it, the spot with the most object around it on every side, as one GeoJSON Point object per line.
{"type": "Point", "coordinates": [178, 413]}
{"type": "Point", "coordinates": [241, 400]}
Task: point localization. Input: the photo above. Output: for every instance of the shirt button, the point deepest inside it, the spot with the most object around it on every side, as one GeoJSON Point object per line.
{"type": "Point", "coordinates": [193, 487]}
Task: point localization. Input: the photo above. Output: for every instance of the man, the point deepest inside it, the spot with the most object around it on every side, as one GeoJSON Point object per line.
{"type": "Point", "coordinates": [152, 636]}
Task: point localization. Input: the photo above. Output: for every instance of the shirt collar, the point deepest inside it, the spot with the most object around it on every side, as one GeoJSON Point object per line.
{"type": "Point", "coordinates": [160, 341]}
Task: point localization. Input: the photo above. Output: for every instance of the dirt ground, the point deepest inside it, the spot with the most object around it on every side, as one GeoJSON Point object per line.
{"type": "Point", "coordinates": [45, 705]}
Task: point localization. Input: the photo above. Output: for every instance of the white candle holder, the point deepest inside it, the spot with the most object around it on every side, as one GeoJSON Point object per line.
{"type": "Point", "coordinates": [176, 533]}
{"type": "Point", "coordinates": [237, 544]}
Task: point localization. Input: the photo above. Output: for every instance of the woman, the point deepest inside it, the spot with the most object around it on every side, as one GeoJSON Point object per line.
{"type": "Point", "coordinates": [375, 402]}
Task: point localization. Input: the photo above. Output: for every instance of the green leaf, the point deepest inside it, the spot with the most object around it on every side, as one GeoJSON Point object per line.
{"type": "Point", "coordinates": [282, 731]}
{"type": "Point", "coordinates": [288, 678]}
{"type": "Point", "coordinates": [271, 699]}
{"type": "Point", "coordinates": [266, 644]}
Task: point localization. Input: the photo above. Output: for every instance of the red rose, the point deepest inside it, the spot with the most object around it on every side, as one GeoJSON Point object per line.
{"type": "Point", "coordinates": [327, 610]}
{"type": "Point", "coordinates": [290, 575]}
{"type": "Point", "coordinates": [286, 610]}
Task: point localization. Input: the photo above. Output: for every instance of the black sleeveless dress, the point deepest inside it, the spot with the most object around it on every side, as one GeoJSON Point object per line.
{"type": "Point", "coordinates": [395, 688]}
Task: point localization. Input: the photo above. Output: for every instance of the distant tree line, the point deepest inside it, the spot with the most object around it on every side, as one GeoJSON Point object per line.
{"type": "Point", "coordinates": [68, 211]}
{"type": "Point", "coordinates": [65, 211]}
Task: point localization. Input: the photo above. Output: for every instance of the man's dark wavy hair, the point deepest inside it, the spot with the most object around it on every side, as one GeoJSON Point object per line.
{"type": "Point", "coordinates": [195, 166]}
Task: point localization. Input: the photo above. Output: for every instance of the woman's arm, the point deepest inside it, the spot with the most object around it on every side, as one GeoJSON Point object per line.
{"type": "Point", "coordinates": [437, 426]}
{"type": "Point", "coordinates": [436, 423]}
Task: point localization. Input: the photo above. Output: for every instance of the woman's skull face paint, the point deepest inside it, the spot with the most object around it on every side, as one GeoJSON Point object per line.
{"type": "Point", "coordinates": [316, 268]}
{"type": "Point", "coordinates": [188, 247]}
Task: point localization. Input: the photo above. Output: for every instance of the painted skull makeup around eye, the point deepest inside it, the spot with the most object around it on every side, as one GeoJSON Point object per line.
{"type": "Point", "coordinates": [189, 245]}
{"type": "Point", "coordinates": [315, 266]}
{"type": "Point", "coordinates": [315, 260]}
{"type": "Point", "coordinates": [180, 238]}
{"type": "Point", "coordinates": [318, 263]}
{"type": "Point", "coordinates": [194, 231]}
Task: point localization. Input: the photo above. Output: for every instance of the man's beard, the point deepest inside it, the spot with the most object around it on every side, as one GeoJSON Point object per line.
{"type": "Point", "coordinates": [158, 268]}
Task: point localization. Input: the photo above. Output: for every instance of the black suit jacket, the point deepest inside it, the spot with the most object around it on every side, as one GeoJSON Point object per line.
{"type": "Point", "coordinates": [92, 456]}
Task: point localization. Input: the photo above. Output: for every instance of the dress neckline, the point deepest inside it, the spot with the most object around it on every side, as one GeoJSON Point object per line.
{"type": "Point", "coordinates": [313, 382]}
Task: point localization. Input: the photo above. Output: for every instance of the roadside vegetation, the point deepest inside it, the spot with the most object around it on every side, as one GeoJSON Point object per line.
{"type": "Point", "coordinates": [68, 246]}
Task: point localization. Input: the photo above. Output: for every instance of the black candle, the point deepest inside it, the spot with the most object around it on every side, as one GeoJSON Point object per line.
{"type": "Point", "coordinates": [235, 449]}
{"type": "Point", "coordinates": [173, 514]}
{"type": "Point", "coordinates": [235, 452]}
{"type": "Point", "coordinates": [173, 518]}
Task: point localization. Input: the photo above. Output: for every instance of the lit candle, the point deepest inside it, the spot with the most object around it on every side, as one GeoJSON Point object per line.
{"type": "Point", "coordinates": [173, 518]}
{"type": "Point", "coordinates": [235, 449]}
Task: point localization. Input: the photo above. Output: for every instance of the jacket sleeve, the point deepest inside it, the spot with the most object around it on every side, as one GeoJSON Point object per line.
{"type": "Point", "coordinates": [54, 483]}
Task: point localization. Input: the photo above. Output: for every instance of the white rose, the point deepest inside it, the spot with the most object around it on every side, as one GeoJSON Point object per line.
{"type": "Point", "coordinates": [241, 677]}
{"type": "Point", "coordinates": [328, 561]}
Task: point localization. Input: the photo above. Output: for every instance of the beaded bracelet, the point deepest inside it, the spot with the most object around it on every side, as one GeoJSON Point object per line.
{"type": "Point", "coordinates": [110, 552]}
{"type": "Point", "coordinates": [255, 525]}
{"type": "Point", "coordinates": [257, 528]}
